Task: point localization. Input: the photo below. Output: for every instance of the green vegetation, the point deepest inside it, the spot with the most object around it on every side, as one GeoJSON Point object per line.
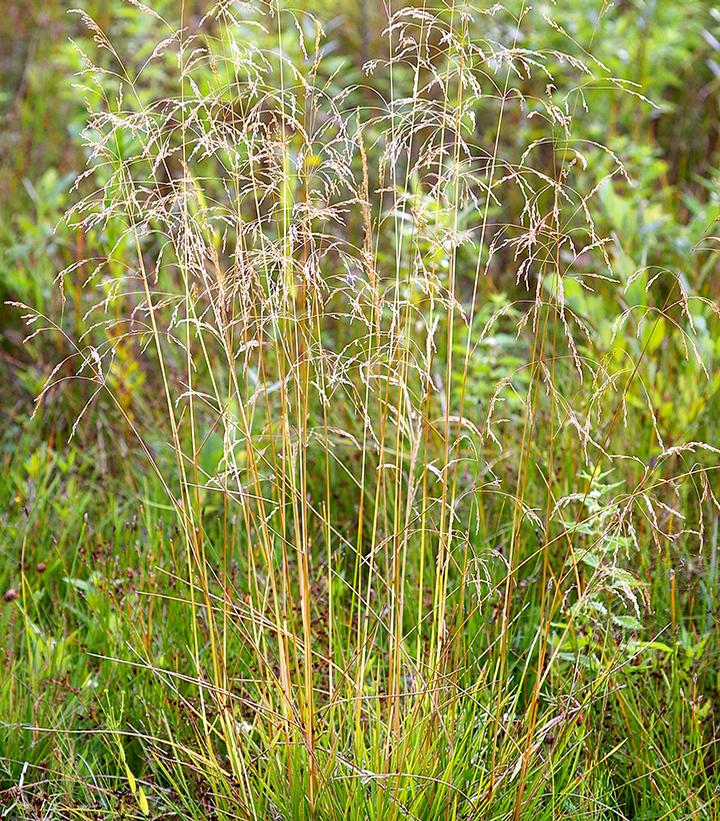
{"type": "Point", "coordinates": [361, 399]}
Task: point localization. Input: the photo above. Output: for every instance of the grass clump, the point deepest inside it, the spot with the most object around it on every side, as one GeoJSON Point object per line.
{"type": "Point", "coordinates": [423, 533]}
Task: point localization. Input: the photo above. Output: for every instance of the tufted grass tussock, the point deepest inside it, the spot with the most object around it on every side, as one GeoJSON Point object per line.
{"type": "Point", "coordinates": [424, 491]}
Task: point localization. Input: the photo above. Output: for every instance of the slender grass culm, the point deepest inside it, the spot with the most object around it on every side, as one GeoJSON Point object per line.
{"type": "Point", "coordinates": [408, 507]}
